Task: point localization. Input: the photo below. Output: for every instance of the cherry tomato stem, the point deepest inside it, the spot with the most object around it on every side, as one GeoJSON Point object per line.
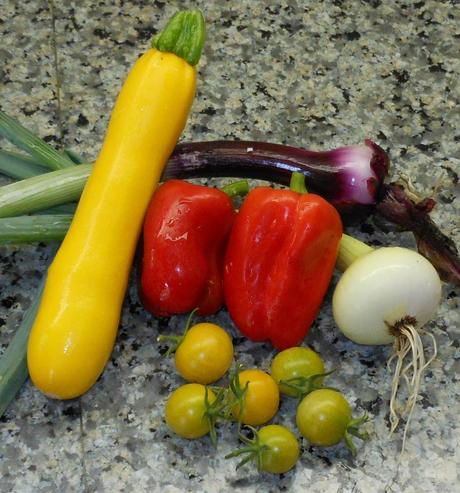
{"type": "Point", "coordinates": [298, 371]}
{"type": "Point", "coordinates": [255, 396]}
{"type": "Point", "coordinates": [274, 448]}
{"type": "Point", "coordinates": [177, 340]}
{"type": "Point", "coordinates": [193, 410]}
{"type": "Point", "coordinates": [353, 430]}
{"type": "Point", "coordinates": [215, 411]}
{"type": "Point", "coordinates": [186, 411]}
{"type": "Point", "coordinates": [302, 386]}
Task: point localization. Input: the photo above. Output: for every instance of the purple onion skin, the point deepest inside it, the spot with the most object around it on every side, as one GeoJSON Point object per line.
{"type": "Point", "coordinates": [347, 177]}
{"type": "Point", "coordinates": [398, 208]}
{"type": "Point", "coordinates": [352, 178]}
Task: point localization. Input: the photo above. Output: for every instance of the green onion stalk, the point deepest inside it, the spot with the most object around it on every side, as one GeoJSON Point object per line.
{"type": "Point", "coordinates": [27, 229]}
{"type": "Point", "coordinates": [19, 166]}
{"type": "Point", "coordinates": [13, 362]}
{"type": "Point", "coordinates": [43, 153]}
{"type": "Point", "coordinates": [42, 157]}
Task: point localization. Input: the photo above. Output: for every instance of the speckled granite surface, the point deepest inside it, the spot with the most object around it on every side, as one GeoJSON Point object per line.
{"type": "Point", "coordinates": [312, 74]}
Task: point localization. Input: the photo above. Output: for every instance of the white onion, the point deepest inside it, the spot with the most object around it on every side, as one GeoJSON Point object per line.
{"type": "Point", "coordinates": [386, 296]}
{"type": "Point", "coordinates": [382, 288]}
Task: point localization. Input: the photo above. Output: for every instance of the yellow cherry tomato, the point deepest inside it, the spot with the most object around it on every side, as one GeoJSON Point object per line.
{"type": "Point", "coordinates": [280, 449]}
{"type": "Point", "coordinates": [185, 411]}
{"type": "Point", "coordinates": [260, 400]}
{"type": "Point", "coordinates": [293, 365]}
{"type": "Point", "coordinates": [274, 448]}
{"type": "Point", "coordinates": [205, 353]}
{"type": "Point", "coordinates": [323, 416]}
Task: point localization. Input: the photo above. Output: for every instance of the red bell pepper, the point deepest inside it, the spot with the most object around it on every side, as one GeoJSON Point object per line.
{"type": "Point", "coordinates": [279, 263]}
{"type": "Point", "coordinates": [185, 234]}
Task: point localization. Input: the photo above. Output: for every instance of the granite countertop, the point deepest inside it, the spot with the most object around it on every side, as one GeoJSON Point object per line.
{"type": "Point", "coordinates": [311, 74]}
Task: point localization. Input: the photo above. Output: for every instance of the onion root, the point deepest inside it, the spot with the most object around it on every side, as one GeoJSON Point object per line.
{"type": "Point", "coordinates": [409, 354]}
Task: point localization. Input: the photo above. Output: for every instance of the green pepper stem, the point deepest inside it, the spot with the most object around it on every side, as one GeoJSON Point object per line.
{"type": "Point", "coordinates": [240, 187]}
{"type": "Point", "coordinates": [297, 183]}
{"type": "Point", "coordinates": [184, 35]}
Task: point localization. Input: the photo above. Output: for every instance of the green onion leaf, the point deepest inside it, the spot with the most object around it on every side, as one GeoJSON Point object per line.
{"type": "Point", "coordinates": [43, 191]}
{"type": "Point", "coordinates": [27, 229]}
{"type": "Point", "coordinates": [33, 145]}
{"type": "Point", "coordinates": [19, 166]}
{"type": "Point", "coordinates": [13, 362]}
{"type": "Point", "coordinates": [75, 157]}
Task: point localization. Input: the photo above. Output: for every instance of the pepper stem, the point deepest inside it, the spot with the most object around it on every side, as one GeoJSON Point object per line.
{"type": "Point", "coordinates": [240, 187]}
{"type": "Point", "coordinates": [184, 35]}
{"type": "Point", "coordinates": [297, 183]}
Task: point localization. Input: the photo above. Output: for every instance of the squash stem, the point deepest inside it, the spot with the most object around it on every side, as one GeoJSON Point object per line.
{"type": "Point", "coordinates": [184, 35]}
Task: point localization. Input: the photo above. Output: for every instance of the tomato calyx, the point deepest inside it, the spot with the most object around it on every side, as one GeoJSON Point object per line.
{"type": "Point", "coordinates": [303, 386]}
{"type": "Point", "coordinates": [176, 340]}
{"type": "Point", "coordinates": [228, 399]}
{"type": "Point", "coordinates": [235, 398]}
{"type": "Point", "coordinates": [252, 451]}
{"type": "Point", "coordinates": [215, 411]}
{"type": "Point", "coordinates": [353, 430]}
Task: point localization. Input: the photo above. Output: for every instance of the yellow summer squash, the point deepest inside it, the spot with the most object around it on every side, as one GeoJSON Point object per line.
{"type": "Point", "coordinates": [75, 329]}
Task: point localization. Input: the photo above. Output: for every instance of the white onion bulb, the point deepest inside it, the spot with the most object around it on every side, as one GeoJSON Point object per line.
{"type": "Point", "coordinates": [386, 296]}
{"type": "Point", "coordinates": [382, 288]}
